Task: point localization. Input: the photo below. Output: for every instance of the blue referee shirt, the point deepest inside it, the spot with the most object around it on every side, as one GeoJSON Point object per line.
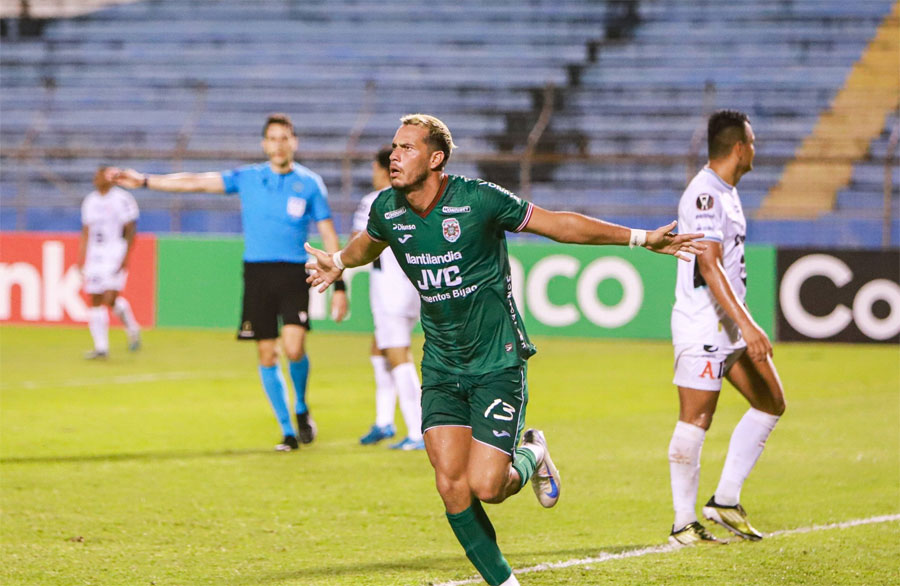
{"type": "Point", "coordinates": [276, 210]}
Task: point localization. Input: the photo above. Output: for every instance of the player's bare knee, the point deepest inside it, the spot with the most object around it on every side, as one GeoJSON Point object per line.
{"type": "Point", "coordinates": [295, 355]}
{"type": "Point", "coordinates": [489, 488]}
{"type": "Point", "coordinates": [769, 400]}
{"type": "Point", "coordinates": [702, 420]}
{"type": "Point", "coordinates": [268, 355]}
{"type": "Point", "coordinates": [452, 489]}
{"type": "Point", "coordinates": [776, 406]}
{"type": "Point", "coordinates": [488, 493]}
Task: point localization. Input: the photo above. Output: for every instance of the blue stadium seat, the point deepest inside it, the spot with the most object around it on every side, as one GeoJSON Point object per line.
{"type": "Point", "coordinates": [202, 76]}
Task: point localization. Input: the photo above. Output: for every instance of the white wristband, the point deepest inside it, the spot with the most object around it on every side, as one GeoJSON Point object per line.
{"type": "Point", "coordinates": [336, 259]}
{"type": "Point", "coordinates": [638, 238]}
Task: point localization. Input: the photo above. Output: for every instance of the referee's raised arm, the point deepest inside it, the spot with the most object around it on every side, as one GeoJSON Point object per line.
{"type": "Point", "coordinates": [210, 182]}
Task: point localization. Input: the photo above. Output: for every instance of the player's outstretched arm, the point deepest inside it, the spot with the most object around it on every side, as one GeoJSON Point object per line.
{"type": "Point", "coordinates": [324, 269]}
{"type": "Point", "coordinates": [576, 228]}
{"type": "Point", "coordinates": [180, 182]}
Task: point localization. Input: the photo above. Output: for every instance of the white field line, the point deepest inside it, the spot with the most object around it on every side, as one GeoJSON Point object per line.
{"type": "Point", "coordinates": [125, 379]}
{"type": "Point", "coordinates": [605, 557]}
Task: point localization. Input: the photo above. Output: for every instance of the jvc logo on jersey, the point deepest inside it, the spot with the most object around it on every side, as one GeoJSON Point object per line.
{"type": "Point", "coordinates": [403, 227]}
{"type": "Point", "coordinates": [507, 411]}
{"type": "Point", "coordinates": [437, 278]}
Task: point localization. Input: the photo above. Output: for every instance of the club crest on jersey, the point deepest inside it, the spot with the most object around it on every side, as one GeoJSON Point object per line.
{"type": "Point", "coordinates": [451, 229]}
{"type": "Point", "coordinates": [705, 202]}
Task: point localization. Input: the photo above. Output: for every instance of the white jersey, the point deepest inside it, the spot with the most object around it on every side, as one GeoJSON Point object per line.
{"type": "Point", "coordinates": [105, 217]}
{"type": "Point", "coordinates": [390, 291]}
{"type": "Point", "coordinates": [713, 207]}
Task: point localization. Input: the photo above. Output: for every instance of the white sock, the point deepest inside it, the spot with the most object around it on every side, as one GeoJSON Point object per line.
{"type": "Point", "coordinates": [385, 392]}
{"type": "Point", "coordinates": [410, 392]}
{"type": "Point", "coordinates": [746, 446]}
{"type": "Point", "coordinates": [98, 324]}
{"type": "Point", "coordinates": [684, 469]}
{"type": "Point", "coordinates": [511, 581]}
{"type": "Point", "coordinates": [123, 311]}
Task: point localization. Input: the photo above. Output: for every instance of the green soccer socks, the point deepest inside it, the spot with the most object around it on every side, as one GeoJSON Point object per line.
{"type": "Point", "coordinates": [475, 533]}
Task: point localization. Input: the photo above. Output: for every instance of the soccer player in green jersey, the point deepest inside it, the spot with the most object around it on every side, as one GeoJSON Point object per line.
{"type": "Point", "coordinates": [449, 236]}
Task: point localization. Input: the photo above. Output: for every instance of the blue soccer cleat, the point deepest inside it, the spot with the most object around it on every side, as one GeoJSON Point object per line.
{"type": "Point", "coordinates": [378, 433]}
{"type": "Point", "coordinates": [134, 342]}
{"type": "Point", "coordinates": [545, 480]}
{"type": "Point", "coordinates": [408, 445]}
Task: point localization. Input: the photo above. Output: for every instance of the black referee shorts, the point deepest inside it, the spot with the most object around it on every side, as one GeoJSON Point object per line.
{"type": "Point", "coordinates": [273, 290]}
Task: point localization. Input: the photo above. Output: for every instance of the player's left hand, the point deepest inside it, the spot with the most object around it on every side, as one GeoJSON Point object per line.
{"type": "Point", "coordinates": [339, 306]}
{"type": "Point", "coordinates": [664, 241]}
{"type": "Point", "coordinates": [322, 271]}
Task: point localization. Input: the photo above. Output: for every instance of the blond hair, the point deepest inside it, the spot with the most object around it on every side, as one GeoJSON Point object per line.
{"type": "Point", "coordinates": [438, 138]}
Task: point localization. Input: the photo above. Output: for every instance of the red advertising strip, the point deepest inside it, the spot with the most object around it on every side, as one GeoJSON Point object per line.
{"type": "Point", "coordinates": [40, 282]}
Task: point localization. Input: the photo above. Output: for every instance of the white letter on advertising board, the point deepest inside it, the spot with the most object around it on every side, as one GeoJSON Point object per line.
{"type": "Point", "coordinates": [29, 281]}
{"type": "Point", "coordinates": [61, 290]}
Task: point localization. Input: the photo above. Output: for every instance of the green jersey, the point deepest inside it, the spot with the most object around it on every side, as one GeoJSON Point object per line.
{"type": "Point", "coordinates": [455, 254]}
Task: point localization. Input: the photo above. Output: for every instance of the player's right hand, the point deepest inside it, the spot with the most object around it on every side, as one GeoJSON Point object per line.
{"type": "Point", "coordinates": [758, 345]}
{"type": "Point", "coordinates": [322, 271]}
{"type": "Point", "coordinates": [128, 178]}
{"type": "Point", "coordinates": [664, 241]}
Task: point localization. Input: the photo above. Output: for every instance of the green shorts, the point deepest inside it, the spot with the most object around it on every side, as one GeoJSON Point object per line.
{"type": "Point", "coordinates": [492, 405]}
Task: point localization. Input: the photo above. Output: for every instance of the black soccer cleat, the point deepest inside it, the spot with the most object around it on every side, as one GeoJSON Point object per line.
{"type": "Point", "coordinates": [693, 534]}
{"type": "Point", "coordinates": [287, 444]}
{"type": "Point", "coordinates": [733, 518]}
{"type": "Point", "coordinates": [306, 428]}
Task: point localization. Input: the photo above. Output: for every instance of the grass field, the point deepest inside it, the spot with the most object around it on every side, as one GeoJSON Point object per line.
{"type": "Point", "coordinates": [156, 468]}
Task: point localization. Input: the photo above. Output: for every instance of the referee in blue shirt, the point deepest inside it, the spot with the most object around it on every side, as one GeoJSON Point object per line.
{"type": "Point", "coordinates": [279, 199]}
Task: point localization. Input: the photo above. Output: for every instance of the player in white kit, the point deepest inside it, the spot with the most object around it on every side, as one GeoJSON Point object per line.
{"type": "Point", "coordinates": [715, 337]}
{"type": "Point", "coordinates": [108, 226]}
{"type": "Point", "coordinates": [395, 311]}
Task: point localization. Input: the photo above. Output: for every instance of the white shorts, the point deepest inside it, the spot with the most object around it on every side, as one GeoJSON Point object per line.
{"type": "Point", "coordinates": [393, 331]}
{"type": "Point", "coordinates": [100, 279]}
{"type": "Point", "coordinates": [703, 367]}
